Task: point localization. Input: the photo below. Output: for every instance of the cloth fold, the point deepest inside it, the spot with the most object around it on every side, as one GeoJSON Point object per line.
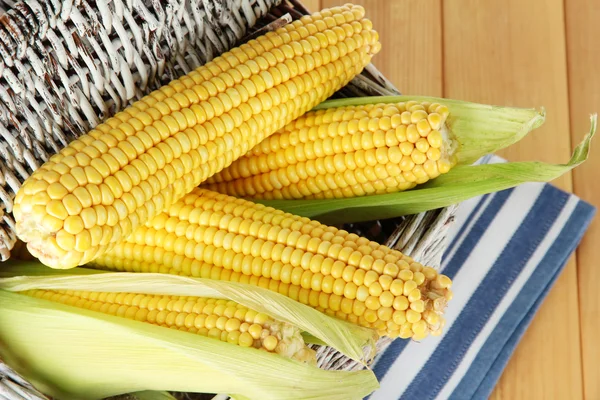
{"type": "Point", "coordinates": [505, 251]}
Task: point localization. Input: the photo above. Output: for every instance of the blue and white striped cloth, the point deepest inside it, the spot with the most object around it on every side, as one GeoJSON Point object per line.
{"type": "Point", "coordinates": [505, 251]}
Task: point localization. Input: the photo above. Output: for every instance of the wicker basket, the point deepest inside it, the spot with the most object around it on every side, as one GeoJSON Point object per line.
{"type": "Point", "coordinates": [66, 66]}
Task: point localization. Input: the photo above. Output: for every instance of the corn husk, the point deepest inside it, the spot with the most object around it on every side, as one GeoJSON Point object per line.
{"type": "Point", "coordinates": [479, 130]}
{"type": "Point", "coordinates": [73, 353]}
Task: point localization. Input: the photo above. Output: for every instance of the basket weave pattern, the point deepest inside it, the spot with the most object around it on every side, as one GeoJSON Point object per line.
{"type": "Point", "coordinates": [77, 78]}
{"type": "Point", "coordinates": [66, 66]}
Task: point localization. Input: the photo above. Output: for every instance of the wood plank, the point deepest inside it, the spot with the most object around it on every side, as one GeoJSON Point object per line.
{"type": "Point", "coordinates": [499, 53]}
{"type": "Point", "coordinates": [410, 34]}
{"type": "Point", "coordinates": [312, 5]}
{"type": "Point", "coordinates": [582, 27]}
{"type": "Point", "coordinates": [512, 53]}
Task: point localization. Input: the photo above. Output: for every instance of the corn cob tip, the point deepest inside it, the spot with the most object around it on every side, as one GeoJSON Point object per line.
{"type": "Point", "coordinates": [436, 290]}
{"type": "Point", "coordinates": [41, 244]}
{"type": "Point", "coordinates": [286, 340]}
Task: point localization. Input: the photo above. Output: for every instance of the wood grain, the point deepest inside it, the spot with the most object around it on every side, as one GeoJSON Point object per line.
{"type": "Point", "coordinates": [312, 5]}
{"type": "Point", "coordinates": [582, 31]}
{"type": "Point", "coordinates": [410, 33]}
{"type": "Point", "coordinates": [513, 52]}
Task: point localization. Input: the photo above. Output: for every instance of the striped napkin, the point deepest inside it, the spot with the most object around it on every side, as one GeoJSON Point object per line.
{"type": "Point", "coordinates": [505, 251]}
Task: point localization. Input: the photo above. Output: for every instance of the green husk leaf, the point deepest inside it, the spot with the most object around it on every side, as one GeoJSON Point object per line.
{"type": "Point", "coordinates": [239, 398]}
{"type": "Point", "coordinates": [461, 183]}
{"type": "Point", "coordinates": [352, 340]}
{"type": "Point", "coordinates": [308, 338]}
{"type": "Point", "coordinates": [480, 129]}
{"type": "Point", "coordinates": [75, 353]}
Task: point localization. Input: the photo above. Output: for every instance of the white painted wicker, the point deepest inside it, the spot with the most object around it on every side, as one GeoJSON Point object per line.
{"type": "Point", "coordinates": [67, 65]}
{"type": "Point", "coordinates": [47, 111]}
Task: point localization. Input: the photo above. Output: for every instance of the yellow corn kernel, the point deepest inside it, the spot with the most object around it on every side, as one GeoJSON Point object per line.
{"type": "Point", "coordinates": [215, 236]}
{"type": "Point", "coordinates": [343, 152]}
{"type": "Point", "coordinates": [148, 157]}
{"type": "Point", "coordinates": [412, 316]}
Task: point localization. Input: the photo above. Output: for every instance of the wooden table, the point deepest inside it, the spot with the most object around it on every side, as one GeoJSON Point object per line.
{"type": "Point", "coordinates": [528, 53]}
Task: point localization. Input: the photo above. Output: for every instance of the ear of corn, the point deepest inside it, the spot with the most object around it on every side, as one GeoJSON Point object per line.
{"type": "Point", "coordinates": [357, 343]}
{"type": "Point", "coordinates": [218, 319]}
{"type": "Point", "coordinates": [477, 129]}
{"type": "Point", "coordinates": [345, 152]}
{"type": "Point", "coordinates": [94, 355]}
{"type": "Point", "coordinates": [104, 185]}
{"type": "Point", "coordinates": [365, 146]}
{"type": "Point", "coordinates": [461, 183]}
{"type": "Point", "coordinates": [216, 236]}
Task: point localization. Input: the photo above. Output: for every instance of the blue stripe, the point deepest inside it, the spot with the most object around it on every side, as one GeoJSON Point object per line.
{"type": "Point", "coordinates": [487, 367]}
{"type": "Point", "coordinates": [489, 381]}
{"type": "Point", "coordinates": [484, 160]}
{"type": "Point", "coordinates": [465, 225]}
{"type": "Point", "coordinates": [475, 234]}
{"type": "Point", "coordinates": [442, 363]}
{"type": "Point", "coordinates": [386, 359]}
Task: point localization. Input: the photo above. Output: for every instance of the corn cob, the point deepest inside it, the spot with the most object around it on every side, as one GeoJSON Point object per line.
{"type": "Point", "coordinates": [344, 152]}
{"type": "Point", "coordinates": [211, 235]}
{"type": "Point", "coordinates": [219, 319]}
{"type": "Point", "coordinates": [104, 185]}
